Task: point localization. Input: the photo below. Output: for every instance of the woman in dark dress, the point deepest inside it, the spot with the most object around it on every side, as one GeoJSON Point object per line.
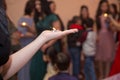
{"type": "Point", "coordinates": [38, 66]}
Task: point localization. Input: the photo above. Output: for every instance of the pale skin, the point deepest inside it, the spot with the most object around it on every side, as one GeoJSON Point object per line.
{"type": "Point", "coordinates": [115, 23]}
{"type": "Point", "coordinates": [20, 58]}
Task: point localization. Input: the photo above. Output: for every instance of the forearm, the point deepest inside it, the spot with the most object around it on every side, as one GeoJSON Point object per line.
{"type": "Point", "coordinates": [115, 23]}
{"type": "Point", "coordinates": [32, 30]}
{"type": "Point", "coordinates": [45, 46]}
{"type": "Point", "coordinates": [28, 34]}
{"type": "Point", "coordinates": [20, 58]}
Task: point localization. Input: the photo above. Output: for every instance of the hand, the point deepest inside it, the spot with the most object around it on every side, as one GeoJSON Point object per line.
{"type": "Point", "coordinates": [24, 24]}
{"type": "Point", "coordinates": [43, 48]}
{"type": "Point", "coordinates": [110, 17]}
{"type": "Point", "coordinates": [49, 35]}
{"type": "Point", "coordinates": [103, 18]}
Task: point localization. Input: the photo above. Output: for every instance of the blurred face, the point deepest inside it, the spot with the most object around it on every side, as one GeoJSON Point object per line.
{"type": "Point", "coordinates": [53, 7]}
{"type": "Point", "coordinates": [79, 22]}
{"type": "Point", "coordinates": [38, 5]}
{"type": "Point", "coordinates": [84, 13]}
{"type": "Point", "coordinates": [112, 9]}
{"type": "Point", "coordinates": [104, 7]}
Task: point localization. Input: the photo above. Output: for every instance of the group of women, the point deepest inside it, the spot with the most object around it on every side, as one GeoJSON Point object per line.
{"type": "Point", "coordinates": [39, 15]}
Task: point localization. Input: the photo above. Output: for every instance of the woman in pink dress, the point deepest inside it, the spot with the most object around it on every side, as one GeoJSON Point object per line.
{"type": "Point", "coordinates": [105, 41]}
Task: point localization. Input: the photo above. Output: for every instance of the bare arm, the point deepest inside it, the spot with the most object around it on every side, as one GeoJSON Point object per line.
{"type": "Point", "coordinates": [28, 34]}
{"type": "Point", "coordinates": [56, 24]}
{"type": "Point", "coordinates": [20, 58]}
{"type": "Point", "coordinates": [32, 29]}
{"type": "Point", "coordinates": [115, 23]}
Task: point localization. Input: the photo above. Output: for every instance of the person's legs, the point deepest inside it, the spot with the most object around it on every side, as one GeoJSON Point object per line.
{"type": "Point", "coordinates": [107, 68]}
{"type": "Point", "coordinates": [89, 69]}
{"type": "Point", "coordinates": [100, 66]}
{"type": "Point", "coordinates": [86, 69]}
{"type": "Point", "coordinates": [75, 55]}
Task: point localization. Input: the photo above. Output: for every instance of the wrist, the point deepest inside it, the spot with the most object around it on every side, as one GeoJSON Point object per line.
{"type": "Point", "coordinates": [42, 39]}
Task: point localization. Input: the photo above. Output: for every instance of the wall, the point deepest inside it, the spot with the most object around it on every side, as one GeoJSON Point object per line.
{"type": "Point", "coordinates": [65, 8]}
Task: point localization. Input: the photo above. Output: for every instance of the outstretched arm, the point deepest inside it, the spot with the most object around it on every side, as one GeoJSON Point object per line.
{"type": "Point", "coordinates": [20, 58]}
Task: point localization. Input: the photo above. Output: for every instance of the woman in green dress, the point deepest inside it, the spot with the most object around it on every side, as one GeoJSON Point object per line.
{"type": "Point", "coordinates": [38, 66]}
{"type": "Point", "coordinates": [43, 22]}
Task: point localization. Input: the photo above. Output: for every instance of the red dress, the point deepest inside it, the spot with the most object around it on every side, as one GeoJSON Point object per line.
{"type": "Point", "coordinates": [116, 64]}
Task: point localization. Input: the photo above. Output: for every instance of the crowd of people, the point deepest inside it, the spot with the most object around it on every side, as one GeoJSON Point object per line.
{"type": "Point", "coordinates": [97, 41]}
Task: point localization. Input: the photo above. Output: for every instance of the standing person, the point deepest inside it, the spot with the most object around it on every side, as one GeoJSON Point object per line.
{"type": "Point", "coordinates": [74, 45]}
{"type": "Point", "coordinates": [44, 21]}
{"type": "Point", "coordinates": [52, 6]}
{"type": "Point", "coordinates": [115, 15]}
{"type": "Point", "coordinates": [84, 15]}
{"type": "Point", "coordinates": [105, 40]}
{"type": "Point", "coordinates": [114, 11]}
{"type": "Point", "coordinates": [61, 42]}
{"type": "Point", "coordinates": [38, 66]}
{"type": "Point", "coordinates": [89, 50]}
{"type": "Point", "coordinates": [115, 69]}
{"type": "Point", "coordinates": [49, 21]}
{"type": "Point", "coordinates": [27, 28]}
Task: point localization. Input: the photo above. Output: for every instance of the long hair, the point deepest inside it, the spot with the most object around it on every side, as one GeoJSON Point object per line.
{"type": "Point", "coordinates": [45, 7]}
{"type": "Point", "coordinates": [99, 13]}
{"type": "Point", "coordinates": [37, 13]}
{"type": "Point", "coordinates": [115, 10]}
{"type": "Point", "coordinates": [4, 4]}
{"type": "Point", "coordinates": [29, 8]}
{"type": "Point", "coordinates": [81, 9]}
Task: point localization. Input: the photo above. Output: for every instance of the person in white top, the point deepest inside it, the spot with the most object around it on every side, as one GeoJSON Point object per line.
{"type": "Point", "coordinates": [89, 50]}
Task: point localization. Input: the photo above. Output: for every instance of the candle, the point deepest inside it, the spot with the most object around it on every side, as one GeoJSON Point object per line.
{"type": "Point", "coordinates": [24, 23]}
{"type": "Point", "coordinates": [105, 15]}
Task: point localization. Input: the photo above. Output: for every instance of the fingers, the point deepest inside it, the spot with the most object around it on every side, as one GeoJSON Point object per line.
{"type": "Point", "coordinates": [70, 31]}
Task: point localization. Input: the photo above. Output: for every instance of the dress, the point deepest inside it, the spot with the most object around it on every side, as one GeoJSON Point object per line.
{"type": "Point", "coordinates": [105, 45]}
{"type": "Point", "coordinates": [24, 73]}
{"type": "Point", "coordinates": [38, 66]}
{"type": "Point", "coordinates": [115, 69]}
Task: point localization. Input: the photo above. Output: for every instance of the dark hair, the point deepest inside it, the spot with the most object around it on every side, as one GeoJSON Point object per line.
{"type": "Point", "coordinates": [75, 19]}
{"type": "Point", "coordinates": [30, 6]}
{"type": "Point", "coordinates": [115, 9]}
{"type": "Point", "coordinates": [62, 61]}
{"type": "Point", "coordinates": [99, 13]}
{"type": "Point", "coordinates": [45, 7]}
{"type": "Point", "coordinates": [89, 23]}
{"type": "Point", "coordinates": [81, 9]}
{"type": "Point", "coordinates": [37, 13]}
{"type": "Point", "coordinates": [52, 53]}
{"type": "Point", "coordinates": [4, 4]}
{"type": "Point", "coordinates": [50, 2]}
